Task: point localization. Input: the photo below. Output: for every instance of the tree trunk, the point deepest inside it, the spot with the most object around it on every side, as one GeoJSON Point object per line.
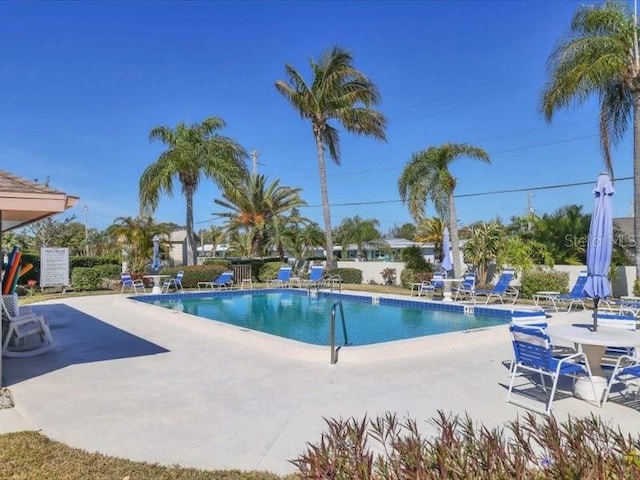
{"type": "Point", "coordinates": [192, 245]}
{"type": "Point", "coordinates": [453, 234]}
{"type": "Point", "coordinates": [636, 179]}
{"type": "Point", "coordinates": [322, 172]}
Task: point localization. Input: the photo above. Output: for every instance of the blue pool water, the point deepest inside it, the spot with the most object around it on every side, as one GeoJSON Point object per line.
{"type": "Point", "coordinates": [295, 315]}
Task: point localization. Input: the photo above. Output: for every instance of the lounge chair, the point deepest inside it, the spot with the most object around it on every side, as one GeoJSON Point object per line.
{"type": "Point", "coordinates": [429, 288]}
{"type": "Point", "coordinates": [27, 334]}
{"type": "Point", "coordinates": [175, 283]}
{"type": "Point", "coordinates": [533, 353]}
{"type": "Point", "coordinates": [501, 290]}
{"type": "Point", "coordinates": [316, 276]}
{"type": "Point", "coordinates": [225, 280]}
{"type": "Point", "coordinates": [575, 297]}
{"type": "Point", "coordinates": [621, 321]}
{"type": "Point", "coordinates": [466, 288]}
{"type": "Point", "coordinates": [627, 370]}
{"type": "Point", "coordinates": [284, 277]}
{"type": "Point", "coordinates": [531, 318]}
{"type": "Point", "coordinates": [130, 283]}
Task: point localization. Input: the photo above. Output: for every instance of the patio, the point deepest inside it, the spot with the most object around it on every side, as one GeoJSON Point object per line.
{"type": "Point", "coordinates": [135, 381]}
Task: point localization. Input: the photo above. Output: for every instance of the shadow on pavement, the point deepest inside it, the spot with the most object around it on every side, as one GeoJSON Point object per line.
{"type": "Point", "coordinates": [79, 338]}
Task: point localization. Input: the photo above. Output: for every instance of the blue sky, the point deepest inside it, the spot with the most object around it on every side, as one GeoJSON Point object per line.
{"type": "Point", "coordinates": [83, 83]}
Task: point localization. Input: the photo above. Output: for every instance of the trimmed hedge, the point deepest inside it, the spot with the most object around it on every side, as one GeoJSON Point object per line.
{"type": "Point", "coordinates": [409, 276]}
{"type": "Point", "coordinates": [348, 275]}
{"type": "Point", "coordinates": [111, 263]}
{"type": "Point", "coordinates": [542, 280]}
{"type": "Point", "coordinates": [93, 261]}
{"type": "Point", "coordinates": [217, 261]}
{"type": "Point", "coordinates": [269, 271]}
{"type": "Point", "coordinates": [196, 273]}
{"type": "Point", "coordinates": [85, 278]}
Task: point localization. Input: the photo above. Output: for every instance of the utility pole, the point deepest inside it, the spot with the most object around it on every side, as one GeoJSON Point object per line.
{"type": "Point", "coordinates": [530, 211]}
{"type": "Point", "coordinates": [86, 230]}
{"type": "Point", "coordinates": [254, 160]}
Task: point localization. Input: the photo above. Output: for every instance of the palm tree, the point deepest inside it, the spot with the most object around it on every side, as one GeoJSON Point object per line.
{"type": "Point", "coordinates": [193, 150]}
{"type": "Point", "coordinates": [361, 232]}
{"type": "Point", "coordinates": [431, 230]}
{"type": "Point", "coordinates": [599, 57]}
{"type": "Point", "coordinates": [136, 236]}
{"type": "Point", "coordinates": [300, 241]}
{"type": "Point", "coordinates": [427, 176]}
{"type": "Point", "coordinates": [252, 205]}
{"type": "Point", "coordinates": [338, 91]}
{"type": "Point", "coordinates": [484, 246]}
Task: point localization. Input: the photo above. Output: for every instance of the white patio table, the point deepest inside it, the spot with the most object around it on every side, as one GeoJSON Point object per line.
{"type": "Point", "coordinates": [157, 282]}
{"type": "Point", "coordinates": [594, 344]}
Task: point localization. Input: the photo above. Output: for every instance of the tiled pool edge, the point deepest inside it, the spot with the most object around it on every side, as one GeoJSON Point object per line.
{"type": "Point", "coordinates": [461, 308]}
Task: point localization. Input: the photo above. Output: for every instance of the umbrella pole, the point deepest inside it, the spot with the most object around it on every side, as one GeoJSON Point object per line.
{"type": "Point", "coordinates": [596, 300]}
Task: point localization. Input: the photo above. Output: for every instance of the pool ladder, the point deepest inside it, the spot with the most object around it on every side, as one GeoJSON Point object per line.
{"type": "Point", "coordinates": [332, 331]}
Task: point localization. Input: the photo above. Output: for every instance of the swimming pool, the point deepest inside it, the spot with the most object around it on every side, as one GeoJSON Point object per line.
{"type": "Point", "coordinates": [295, 315]}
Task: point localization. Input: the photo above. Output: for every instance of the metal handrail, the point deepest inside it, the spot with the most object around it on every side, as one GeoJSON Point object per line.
{"type": "Point", "coordinates": [332, 331]}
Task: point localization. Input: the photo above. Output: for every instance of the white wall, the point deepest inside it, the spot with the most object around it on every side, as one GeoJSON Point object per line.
{"type": "Point", "coordinates": [621, 285]}
{"type": "Point", "coordinates": [372, 270]}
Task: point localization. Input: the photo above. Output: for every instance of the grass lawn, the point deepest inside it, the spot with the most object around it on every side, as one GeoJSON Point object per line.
{"type": "Point", "coordinates": [30, 455]}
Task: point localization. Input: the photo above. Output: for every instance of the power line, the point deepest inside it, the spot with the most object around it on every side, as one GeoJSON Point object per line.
{"type": "Point", "coordinates": [476, 194]}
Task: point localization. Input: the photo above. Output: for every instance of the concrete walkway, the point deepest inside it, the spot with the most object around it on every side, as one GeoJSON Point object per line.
{"type": "Point", "coordinates": [145, 383]}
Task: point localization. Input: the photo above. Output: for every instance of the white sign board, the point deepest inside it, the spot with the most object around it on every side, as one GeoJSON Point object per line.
{"type": "Point", "coordinates": [54, 267]}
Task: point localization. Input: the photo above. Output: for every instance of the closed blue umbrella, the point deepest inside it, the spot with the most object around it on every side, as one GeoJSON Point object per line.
{"type": "Point", "coordinates": [155, 262]}
{"type": "Point", "coordinates": [447, 259]}
{"type": "Point", "coordinates": [600, 245]}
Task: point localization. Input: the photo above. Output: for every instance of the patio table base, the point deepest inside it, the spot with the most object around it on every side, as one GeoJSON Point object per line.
{"type": "Point", "coordinates": [582, 388]}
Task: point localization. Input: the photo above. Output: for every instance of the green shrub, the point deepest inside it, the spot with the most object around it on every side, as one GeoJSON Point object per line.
{"type": "Point", "coordinates": [93, 261]}
{"type": "Point", "coordinates": [195, 273]}
{"type": "Point", "coordinates": [636, 288]}
{"type": "Point", "coordinates": [527, 448]}
{"type": "Point", "coordinates": [348, 275]}
{"type": "Point", "coordinates": [409, 276]}
{"type": "Point", "coordinates": [533, 281]}
{"type": "Point", "coordinates": [218, 261]}
{"type": "Point", "coordinates": [34, 274]}
{"type": "Point", "coordinates": [269, 271]}
{"type": "Point", "coordinates": [413, 259]}
{"type": "Point", "coordinates": [85, 278]}
{"type": "Point", "coordinates": [108, 270]}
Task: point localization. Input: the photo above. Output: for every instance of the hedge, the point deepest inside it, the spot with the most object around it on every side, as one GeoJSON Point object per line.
{"type": "Point", "coordinates": [348, 275]}
{"type": "Point", "coordinates": [85, 278]}
{"type": "Point", "coordinates": [409, 276]}
{"type": "Point", "coordinates": [543, 280]}
{"type": "Point", "coordinates": [269, 271]}
{"type": "Point", "coordinates": [195, 273]}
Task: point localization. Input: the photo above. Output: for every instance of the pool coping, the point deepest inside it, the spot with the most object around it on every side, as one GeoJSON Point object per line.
{"type": "Point", "coordinates": [394, 349]}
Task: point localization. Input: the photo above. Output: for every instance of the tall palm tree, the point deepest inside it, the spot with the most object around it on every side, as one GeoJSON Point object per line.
{"type": "Point", "coordinates": [599, 57]}
{"type": "Point", "coordinates": [192, 151]}
{"type": "Point", "coordinates": [253, 204]}
{"type": "Point", "coordinates": [427, 177]}
{"type": "Point", "coordinates": [340, 92]}
{"type": "Point", "coordinates": [431, 230]}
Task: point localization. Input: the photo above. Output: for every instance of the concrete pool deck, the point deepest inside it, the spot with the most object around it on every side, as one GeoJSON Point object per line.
{"type": "Point", "coordinates": [145, 383]}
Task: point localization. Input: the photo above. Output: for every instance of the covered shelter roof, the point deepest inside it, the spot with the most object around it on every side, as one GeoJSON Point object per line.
{"type": "Point", "coordinates": [23, 201]}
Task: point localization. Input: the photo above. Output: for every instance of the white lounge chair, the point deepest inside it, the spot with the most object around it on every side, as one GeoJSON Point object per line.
{"type": "Point", "coordinates": [27, 334]}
